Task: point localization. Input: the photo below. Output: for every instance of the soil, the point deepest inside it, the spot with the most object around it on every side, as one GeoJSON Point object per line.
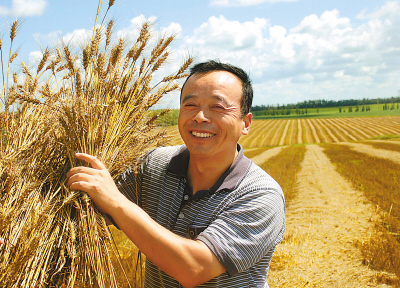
{"type": "Point", "coordinates": [324, 224]}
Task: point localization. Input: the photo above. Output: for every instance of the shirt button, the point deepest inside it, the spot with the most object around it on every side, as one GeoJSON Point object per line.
{"type": "Point", "coordinates": [181, 215]}
{"type": "Point", "coordinates": [186, 197]}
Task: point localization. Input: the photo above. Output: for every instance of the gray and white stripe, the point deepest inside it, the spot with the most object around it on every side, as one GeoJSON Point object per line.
{"type": "Point", "coordinates": [244, 224]}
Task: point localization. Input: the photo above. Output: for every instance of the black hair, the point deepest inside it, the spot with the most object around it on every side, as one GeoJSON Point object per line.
{"type": "Point", "coordinates": [212, 65]}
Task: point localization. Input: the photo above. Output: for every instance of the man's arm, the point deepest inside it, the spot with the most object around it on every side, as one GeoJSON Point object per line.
{"type": "Point", "coordinates": [190, 262]}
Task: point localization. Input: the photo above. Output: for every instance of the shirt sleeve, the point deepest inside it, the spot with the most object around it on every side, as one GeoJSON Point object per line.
{"type": "Point", "coordinates": [247, 230]}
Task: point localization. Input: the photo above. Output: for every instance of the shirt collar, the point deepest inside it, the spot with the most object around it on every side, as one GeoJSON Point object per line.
{"type": "Point", "coordinates": [228, 181]}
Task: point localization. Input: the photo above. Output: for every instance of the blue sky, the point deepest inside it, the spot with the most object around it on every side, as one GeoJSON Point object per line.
{"type": "Point", "coordinates": [294, 50]}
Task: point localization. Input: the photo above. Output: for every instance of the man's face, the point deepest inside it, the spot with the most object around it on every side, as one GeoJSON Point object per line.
{"type": "Point", "coordinates": [209, 120]}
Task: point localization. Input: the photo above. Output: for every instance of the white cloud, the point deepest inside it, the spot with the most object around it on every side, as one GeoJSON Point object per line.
{"type": "Point", "coordinates": [386, 11]}
{"type": "Point", "coordinates": [50, 39]}
{"type": "Point", "coordinates": [35, 56]}
{"type": "Point", "coordinates": [77, 37]}
{"type": "Point", "coordinates": [328, 22]}
{"type": "Point", "coordinates": [132, 31]}
{"type": "Point", "coordinates": [323, 56]}
{"type": "Point", "coordinates": [221, 33]}
{"type": "Point", "coordinates": [24, 8]}
{"type": "Point", "coordinates": [229, 3]}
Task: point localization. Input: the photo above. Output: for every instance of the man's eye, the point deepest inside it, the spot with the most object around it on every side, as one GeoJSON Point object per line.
{"type": "Point", "coordinates": [219, 107]}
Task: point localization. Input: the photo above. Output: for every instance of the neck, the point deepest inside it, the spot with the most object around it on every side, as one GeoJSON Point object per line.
{"type": "Point", "coordinates": [203, 172]}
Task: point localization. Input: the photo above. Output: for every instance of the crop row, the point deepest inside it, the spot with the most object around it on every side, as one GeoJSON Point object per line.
{"type": "Point", "coordinates": [275, 132]}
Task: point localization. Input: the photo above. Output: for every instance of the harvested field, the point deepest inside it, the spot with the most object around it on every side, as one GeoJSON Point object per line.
{"type": "Point", "coordinates": [265, 156]}
{"type": "Point", "coordinates": [324, 222]}
{"type": "Point", "coordinates": [375, 152]}
{"type": "Point", "coordinates": [379, 180]}
{"type": "Point", "coordinates": [392, 145]}
{"type": "Point", "coordinates": [297, 131]}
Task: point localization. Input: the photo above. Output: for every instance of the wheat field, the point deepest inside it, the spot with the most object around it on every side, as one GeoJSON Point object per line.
{"type": "Point", "coordinates": [308, 131]}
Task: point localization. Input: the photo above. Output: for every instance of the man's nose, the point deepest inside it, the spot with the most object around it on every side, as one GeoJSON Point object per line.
{"type": "Point", "coordinates": [201, 116]}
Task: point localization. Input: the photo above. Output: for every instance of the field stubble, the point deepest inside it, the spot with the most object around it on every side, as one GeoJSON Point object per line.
{"type": "Point", "coordinates": [325, 221]}
{"type": "Point", "coordinates": [379, 180]}
{"type": "Point", "coordinates": [309, 131]}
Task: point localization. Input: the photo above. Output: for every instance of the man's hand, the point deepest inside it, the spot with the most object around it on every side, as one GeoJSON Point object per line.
{"type": "Point", "coordinates": [1, 241]}
{"type": "Point", "coordinates": [96, 181]}
{"type": "Point", "coordinates": [190, 262]}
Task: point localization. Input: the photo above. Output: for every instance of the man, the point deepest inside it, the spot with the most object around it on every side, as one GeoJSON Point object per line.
{"type": "Point", "coordinates": [210, 216]}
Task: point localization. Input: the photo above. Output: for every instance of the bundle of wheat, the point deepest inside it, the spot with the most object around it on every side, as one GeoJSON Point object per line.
{"type": "Point", "coordinates": [93, 102]}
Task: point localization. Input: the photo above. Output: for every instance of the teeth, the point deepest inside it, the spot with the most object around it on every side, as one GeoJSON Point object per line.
{"type": "Point", "coordinates": [202, 135]}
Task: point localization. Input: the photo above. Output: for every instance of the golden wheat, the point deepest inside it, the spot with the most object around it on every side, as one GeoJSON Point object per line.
{"type": "Point", "coordinates": [55, 237]}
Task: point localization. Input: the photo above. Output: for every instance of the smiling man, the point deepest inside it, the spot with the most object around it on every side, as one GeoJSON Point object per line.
{"type": "Point", "coordinates": [207, 215]}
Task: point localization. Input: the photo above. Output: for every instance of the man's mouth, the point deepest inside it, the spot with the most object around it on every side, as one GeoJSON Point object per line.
{"type": "Point", "coordinates": [201, 135]}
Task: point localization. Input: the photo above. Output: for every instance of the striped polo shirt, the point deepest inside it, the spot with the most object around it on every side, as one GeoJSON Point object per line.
{"type": "Point", "coordinates": [241, 218]}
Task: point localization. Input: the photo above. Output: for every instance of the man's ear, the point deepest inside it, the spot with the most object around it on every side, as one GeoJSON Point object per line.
{"type": "Point", "coordinates": [247, 122]}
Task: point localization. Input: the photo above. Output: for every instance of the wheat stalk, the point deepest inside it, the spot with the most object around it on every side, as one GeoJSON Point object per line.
{"type": "Point", "coordinates": [55, 237]}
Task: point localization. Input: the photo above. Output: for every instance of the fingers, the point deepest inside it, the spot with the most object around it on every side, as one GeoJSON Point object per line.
{"type": "Point", "coordinates": [81, 186]}
{"type": "Point", "coordinates": [78, 174]}
{"type": "Point", "coordinates": [1, 241]}
{"type": "Point", "coordinates": [93, 161]}
{"type": "Point", "coordinates": [81, 170]}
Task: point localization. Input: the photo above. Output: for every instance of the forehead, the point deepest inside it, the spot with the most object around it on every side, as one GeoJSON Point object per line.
{"type": "Point", "coordinates": [216, 84]}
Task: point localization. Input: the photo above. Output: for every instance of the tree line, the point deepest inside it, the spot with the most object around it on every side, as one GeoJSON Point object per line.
{"type": "Point", "coordinates": [302, 107]}
{"type": "Point", "coordinates": [328, 103]}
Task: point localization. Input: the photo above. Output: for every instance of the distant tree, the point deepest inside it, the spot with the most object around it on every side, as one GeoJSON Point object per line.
{"type": "Point", "coordinates": [350, 109]}
{"type": "Point", "coordinates": [340, 109]}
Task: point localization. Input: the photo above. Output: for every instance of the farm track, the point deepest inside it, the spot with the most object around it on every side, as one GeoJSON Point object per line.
{"type": "Point", "coordinates": [324, 221]}
{"type": "Point", "coordinates": [381, 153]}
{"type": "Point", "coordinates": [262, 158]}
{"type": "Point", "coordinates": [384, 141]}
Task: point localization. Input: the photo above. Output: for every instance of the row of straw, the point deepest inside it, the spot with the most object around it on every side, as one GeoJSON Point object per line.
{"type": "Point", "coordinates": [94, 100]}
